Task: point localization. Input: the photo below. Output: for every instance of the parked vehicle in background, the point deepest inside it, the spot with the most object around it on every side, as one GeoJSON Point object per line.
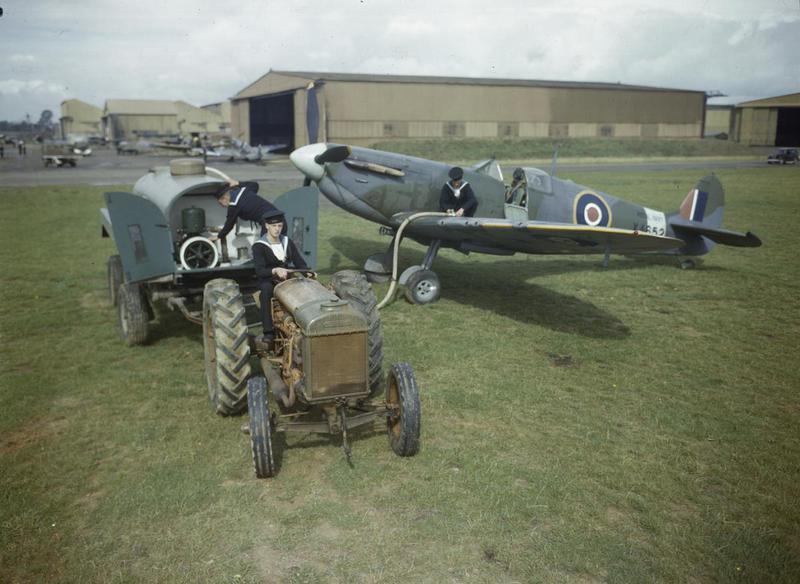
{"type": "Point", "coordinates": [784, 156]}
{"type": "Point", "coordinates": [59, 154]}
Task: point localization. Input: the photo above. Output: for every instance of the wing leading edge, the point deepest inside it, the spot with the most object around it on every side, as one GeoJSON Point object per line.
{"type": "Point", "coordinates": [537, 237]}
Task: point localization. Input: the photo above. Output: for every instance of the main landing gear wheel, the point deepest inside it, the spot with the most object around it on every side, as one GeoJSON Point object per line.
{"type": "Point", "coordinates": [227, 352]}
{"type": "Point", "coordinates": [198, 252]}
{"type": "Point", "coordinates": [402, 395]}
{"type": "Point", "coordinates": [114, 278]}
{"type": "Point", "coordinates": [133, 315]}
{"type": "Point", "coordinates": [423, 287]}
{"type": "Point", "coordinates": [260, 428]}
{"type": "Point", "coordinates": [352, 286]}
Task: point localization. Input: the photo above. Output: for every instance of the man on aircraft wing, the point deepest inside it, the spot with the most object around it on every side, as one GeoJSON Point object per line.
{"type": "Point", "coordinates": [457, 195]}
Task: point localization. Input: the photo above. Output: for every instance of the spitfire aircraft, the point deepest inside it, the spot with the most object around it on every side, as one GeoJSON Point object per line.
{"type": "Point", "coordinates": [539, 214]}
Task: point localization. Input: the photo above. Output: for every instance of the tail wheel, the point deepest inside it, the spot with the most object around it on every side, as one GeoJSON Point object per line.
{"type": "Point", "coordinates": [114, 278]}
{"type": "Point", "coordinates": [260, 428]}
{"type": "Point", "coordinates": [423, 287]}
{"type": "Point", "coordinates": [353, 286]}
{"type": "Point", "coordinates": [402, 396]}
{"type": "Point", "coordinates": [227, 352]}
{"type": "Point", "coordinates": [134, 317]}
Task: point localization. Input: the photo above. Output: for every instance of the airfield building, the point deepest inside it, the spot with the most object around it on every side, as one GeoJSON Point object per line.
{"type": "Point", "coordinates": [774, 121]}
{"type": "Point", "coordinates": [223, 109]}
{"type": "Point", "coordinates": [296, 108]}
{"type": "Point", "coordinates": [80, 120]}
{"type": "Point", "coordinates": [131, 119]}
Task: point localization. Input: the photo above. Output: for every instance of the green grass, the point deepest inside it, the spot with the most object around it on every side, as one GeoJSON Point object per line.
{"type": "Point", "coordinates": [633, 424]}
{"type": "Point", "coordinates": [584, 148]}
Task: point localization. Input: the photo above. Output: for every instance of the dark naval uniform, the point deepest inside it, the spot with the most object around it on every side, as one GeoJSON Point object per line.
{"type": "Point", "coordinates": [265, 260]}
{"type": "Point", "coordinates": [453, 199]}
{"type": "Point", "coordinates": [245, 204]}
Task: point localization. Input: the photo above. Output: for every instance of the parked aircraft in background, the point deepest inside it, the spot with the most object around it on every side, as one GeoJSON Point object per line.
{"type": "Point", "coordinates": [546, 215]}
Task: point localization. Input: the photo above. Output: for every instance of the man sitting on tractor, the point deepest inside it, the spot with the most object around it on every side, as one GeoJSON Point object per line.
{"type": "Point", "coordinates": [273, 254]}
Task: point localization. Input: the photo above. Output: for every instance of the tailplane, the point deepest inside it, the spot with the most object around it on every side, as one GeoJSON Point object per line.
{"type": "Point", "coordinates": [698, 221]}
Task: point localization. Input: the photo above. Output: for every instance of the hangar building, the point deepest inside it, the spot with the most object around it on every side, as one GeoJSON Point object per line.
{"type": "Point", "coordinates": [80, 119]}
{"type": "Point", "coordinates": [774, 121]}
{"type": "Point", "coordinates": [131, 119]}
{"type": "Point", "coordinates": [297, 108]}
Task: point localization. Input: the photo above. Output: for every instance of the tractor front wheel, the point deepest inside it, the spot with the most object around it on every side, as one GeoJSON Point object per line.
{"type": "Point", "coordinates": [402, 397]}
{"type": "Point", "coordinates": [260, 428]}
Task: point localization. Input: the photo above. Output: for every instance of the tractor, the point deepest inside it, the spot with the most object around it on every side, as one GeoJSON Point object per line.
{"type": "Point", "coordinates": [323, 372]}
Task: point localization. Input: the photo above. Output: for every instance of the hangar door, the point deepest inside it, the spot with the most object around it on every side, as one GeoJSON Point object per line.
{"type": "Point", "coordinates": [272, 121]}
{"type": "Point", "coordinates": [788, 131]}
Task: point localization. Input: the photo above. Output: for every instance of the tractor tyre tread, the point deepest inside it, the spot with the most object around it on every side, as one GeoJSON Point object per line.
{"type": "Point", "coordinates": [227, 352]}
{"type": "Point", "coordinates": [404, 430]}
{"type": "Point", "coordinates": [260, 428]}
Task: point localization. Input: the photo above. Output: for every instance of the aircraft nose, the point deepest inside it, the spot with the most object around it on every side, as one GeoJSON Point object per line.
{"type": "Point", "coordinates": [303, 159]}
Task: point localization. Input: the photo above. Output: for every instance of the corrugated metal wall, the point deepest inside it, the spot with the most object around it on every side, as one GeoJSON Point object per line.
{"type": "Point", "coordinates": [129, 127]}
{"type": "Point", "coordinates": [756, 126]}
{"type": "Point", "coordinates": [363, 112]}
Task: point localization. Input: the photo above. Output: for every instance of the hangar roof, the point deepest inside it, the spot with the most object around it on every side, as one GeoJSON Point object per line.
{"type": "Point", "coordinates": [304, 77]}
{"type": "Point", "coordinates": [789, 100]}
{"type": "Point", "coordinates": [375, 78]}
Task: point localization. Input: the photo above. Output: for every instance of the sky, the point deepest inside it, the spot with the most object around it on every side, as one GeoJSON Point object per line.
{"type": "Point", "coordinates": [206, 51]}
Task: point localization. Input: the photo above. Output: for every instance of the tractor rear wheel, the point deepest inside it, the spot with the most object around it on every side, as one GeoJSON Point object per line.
{"type": "Point", "coordinates": [353, 286]}
{"type": "Point", "coordinates": [402, 396]}
{"type": "Point", "coordinates": [114, 278]}
{"type": "Point", "coordinates": [260, 427]}
{"type": "Point", "coordinates": [226, 349]}
{"type": "Point", "coordinates": [134, 317]}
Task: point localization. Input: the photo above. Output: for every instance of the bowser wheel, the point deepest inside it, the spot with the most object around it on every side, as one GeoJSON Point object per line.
{"type": "Point", "coordinates": [402, 396]}
{"type": "Point", "coordinates": [353, 286]}
{"type": "Point", "coordinates": [133, 315]}
{"type": "Point", "coordinates": [114, 278]}
{"type": "Point", "coordinates": [260, 428]}
{"type": "Point", "coordinates": [226, 349]}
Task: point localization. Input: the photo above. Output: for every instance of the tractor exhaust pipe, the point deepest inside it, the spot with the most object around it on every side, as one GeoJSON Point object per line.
{"type": "Point", "coordinates": [279, 388]}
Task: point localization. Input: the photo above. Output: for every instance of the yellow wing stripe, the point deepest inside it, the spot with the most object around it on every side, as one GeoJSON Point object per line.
{"type": "Point", "coordinates": [576, 229]}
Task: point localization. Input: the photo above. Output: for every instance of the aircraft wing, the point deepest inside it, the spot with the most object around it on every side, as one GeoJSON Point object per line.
{"type": "Point", "coordinates": [538, 237]}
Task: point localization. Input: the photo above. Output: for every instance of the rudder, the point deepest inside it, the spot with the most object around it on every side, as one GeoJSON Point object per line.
{"type": "Point", "coordinates": [704, 203]}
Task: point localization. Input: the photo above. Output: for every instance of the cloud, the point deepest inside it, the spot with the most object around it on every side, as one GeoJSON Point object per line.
{"type": "Point", "coordinates": [21, 59]}
{"type": "Point", "coordinates": [203, 51]}
{"type": "Point", "coordinates": [34, 86]}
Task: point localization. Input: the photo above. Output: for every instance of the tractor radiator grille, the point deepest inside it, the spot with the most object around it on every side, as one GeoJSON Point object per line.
{"type": "Point", "coordinates": [337, 365]}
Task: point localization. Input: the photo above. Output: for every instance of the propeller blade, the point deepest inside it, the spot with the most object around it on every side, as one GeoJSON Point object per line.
{"type": "Point", "coordinates": [306, 182]}
{"type": "Point", "coordinates": [333, 154]}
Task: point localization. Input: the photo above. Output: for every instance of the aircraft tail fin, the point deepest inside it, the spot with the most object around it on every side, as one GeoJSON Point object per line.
{"type": "Point", "coordinates": [698, 221]}
{"type": "Point", "coordinates": [704, 203]}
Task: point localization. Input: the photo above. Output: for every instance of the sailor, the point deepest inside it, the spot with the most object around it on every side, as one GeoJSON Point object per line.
{"type": "Point", "coordinates": [457, 196]}
{"type": "Point", "coordinates": [242, 202]}
{"type": "Point", "coordinates": [273, 254]}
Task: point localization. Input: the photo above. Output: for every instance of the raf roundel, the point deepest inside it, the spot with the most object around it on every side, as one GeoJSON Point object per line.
{"type": "Point", "coordinates": [590, 209]}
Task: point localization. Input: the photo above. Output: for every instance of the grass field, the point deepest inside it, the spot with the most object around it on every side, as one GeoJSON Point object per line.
{"type": "Point", "coordinates": [633, 424]}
